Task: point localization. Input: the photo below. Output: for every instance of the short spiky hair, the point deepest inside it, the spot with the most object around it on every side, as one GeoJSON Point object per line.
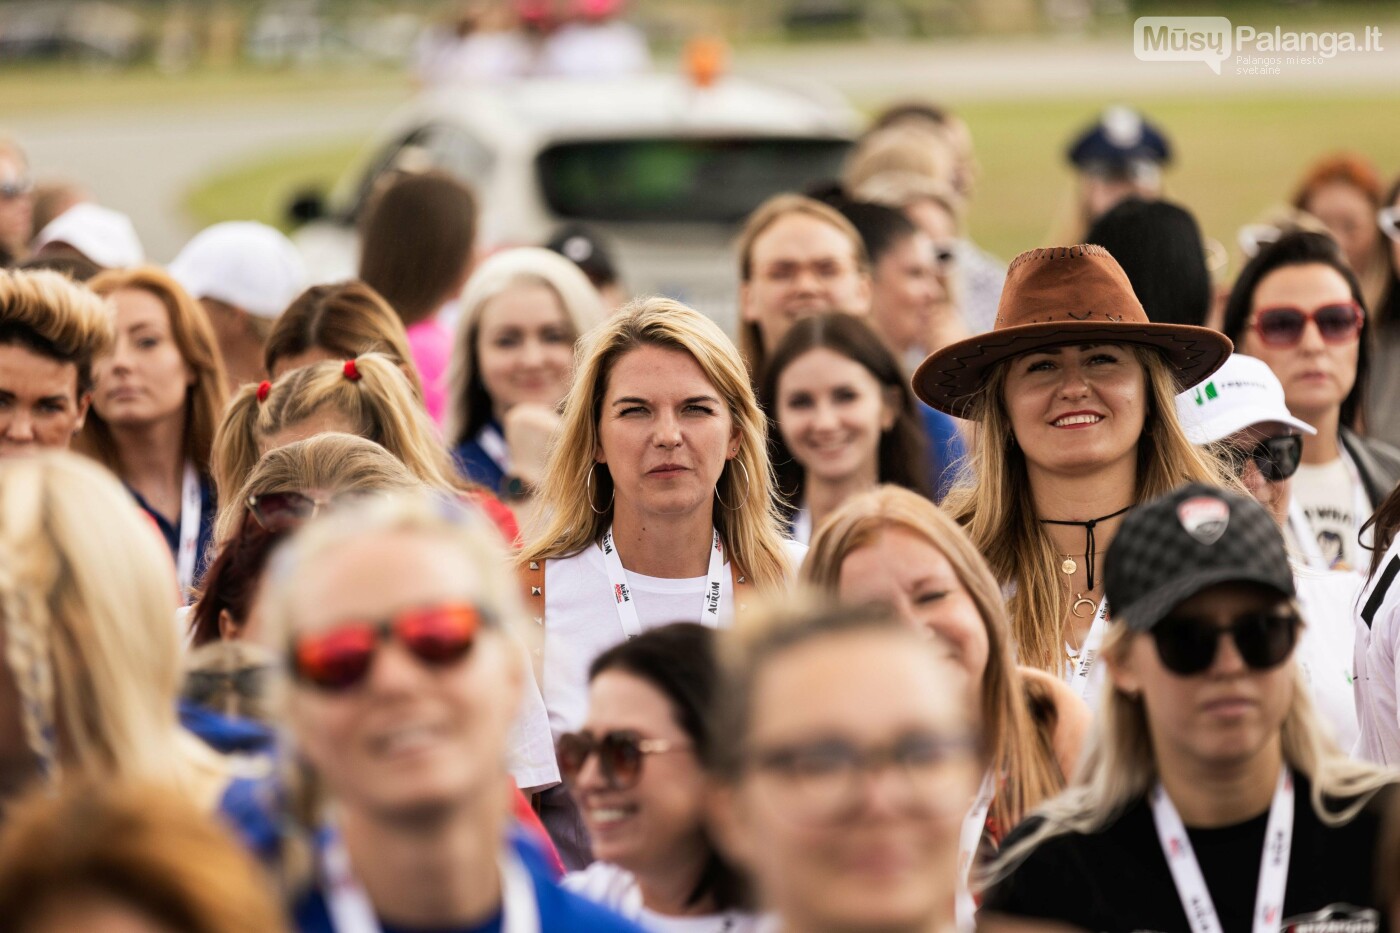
{"type": "Point", "coordinates": [47, 313]}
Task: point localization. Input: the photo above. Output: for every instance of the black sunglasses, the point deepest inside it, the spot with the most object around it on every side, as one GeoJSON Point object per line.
{"type": "Point", "coordinates": [620, 755]}
{"type": "Point", "coordinates": [1188, 646]}
{"type": "Point", "coordinates": [1277, 458]}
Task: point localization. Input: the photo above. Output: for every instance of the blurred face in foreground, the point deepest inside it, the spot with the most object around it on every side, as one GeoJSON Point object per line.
{"type": "Point", "coordinates": [419, 732]}
{"type": "Point", "coordinates": [857, 774]}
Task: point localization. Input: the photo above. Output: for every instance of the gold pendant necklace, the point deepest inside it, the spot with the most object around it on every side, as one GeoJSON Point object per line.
{"type": "Point", "coordinates": [1069, 566]}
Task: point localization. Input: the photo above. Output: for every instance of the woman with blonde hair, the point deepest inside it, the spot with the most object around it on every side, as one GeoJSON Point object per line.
{"type": "Point", "coordinates": [1074, 395]}
{"type": "Point", "coordinates": [657, 499]}
{"type": "Point", "coordinates": [338, 321]}
{"type": "Point", "coordinates": [404, 648]}
{"type": "Point", "coordinates": [106, 855]}
{"type": "Point", "coordinates": [368, 396]}
{"type": "Point", "coordinates": [894, 546]}
{"type": "Point", "coordinates": [86, 595]}
{"type": "Point", "coordinates": [522, 313]}
{"type": "Point", "coordinates": [287, 487]}
{"type": "Point", "coordinates": [1207, 759]}
{"type": "Point", "coordinates": [156, 402]}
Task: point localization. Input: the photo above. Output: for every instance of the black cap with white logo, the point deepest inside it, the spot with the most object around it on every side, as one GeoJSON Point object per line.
{"type": "Point", "coordinates": [1195, 537]}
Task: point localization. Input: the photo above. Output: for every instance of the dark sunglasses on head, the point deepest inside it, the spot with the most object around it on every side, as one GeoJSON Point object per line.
{"type": "Point", "coordinates": [1189, 646]}
{"type": "Point", "coordinates": [620, 755]}
{"type": "Point", "coordinates": [338, 658]}
{"type": "Point", "coordinates": [1276, 458]}
{"type": "Point", "coordinates": [283, 509]}
{"type": "Point", "coordinates": [1284, 326]}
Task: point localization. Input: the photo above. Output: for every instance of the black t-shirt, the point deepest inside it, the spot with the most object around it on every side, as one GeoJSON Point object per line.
{"type": "Point", "coordinates": [1117, 879]}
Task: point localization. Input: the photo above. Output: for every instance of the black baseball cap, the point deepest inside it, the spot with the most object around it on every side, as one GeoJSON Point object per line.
{"type": "Point", "coordinates": [1172, 548]}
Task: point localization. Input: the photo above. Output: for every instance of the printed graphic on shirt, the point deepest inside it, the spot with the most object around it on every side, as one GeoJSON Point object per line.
{"type": "Point", "coordinates": [1335, 918]}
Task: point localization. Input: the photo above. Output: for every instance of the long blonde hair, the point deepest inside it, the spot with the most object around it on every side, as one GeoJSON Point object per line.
{"type": "Point", "coordinates": [1119, 766]}
{"type": "Point", "coordinates": [470, 404]}
{"type": "Point", "coordinates": [194, 337]}
{"type": "Point", "coordinates": [571, 519]}
{"type": "Point", "coordinates": [992, 500]}
{"type": "Point", "coordinates": [378, 401]}
{"type": "Point", "coordinates": [87, 599]}
{"type": "Point", "coordinates": [1016, 751]}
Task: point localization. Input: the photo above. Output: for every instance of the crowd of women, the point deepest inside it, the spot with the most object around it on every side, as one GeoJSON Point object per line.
{"type": "Point", "coordinates": [474, 601]}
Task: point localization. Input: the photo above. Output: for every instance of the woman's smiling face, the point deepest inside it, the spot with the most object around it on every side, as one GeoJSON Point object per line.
{"type": "Point", "coordinates": [1076, 407]}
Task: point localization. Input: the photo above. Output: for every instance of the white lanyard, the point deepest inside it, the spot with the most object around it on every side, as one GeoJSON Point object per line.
{"type": "Point", "coordinates": [626, 604]}
{"type": "Point", "coordinates": [1186, 871]}
{"type": "Point", "coordinates": [494, 444]}
{"type": "Point", "coordinates": [972, 827]}
{"type": "Point", "coordinates": [191, 509]}
{"type": "Point", "coordinates": [351, 912]}
{"type": "Point", "coordinates": [1078, 669]}
{"type": "Point", "coordinates": [1303, 534]}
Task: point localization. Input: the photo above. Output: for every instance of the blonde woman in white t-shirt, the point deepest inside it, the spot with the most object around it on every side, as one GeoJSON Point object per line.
{"type": "Point", "coordinates": [657, 506]}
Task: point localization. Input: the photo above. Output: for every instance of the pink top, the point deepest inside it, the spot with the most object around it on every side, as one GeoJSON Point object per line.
{"type": "Point", "coordinates": [431, 344]}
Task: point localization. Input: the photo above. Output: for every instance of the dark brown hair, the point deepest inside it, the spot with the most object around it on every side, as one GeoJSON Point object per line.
{"type": "Point", "coordinates": [416, 242]}
{"type": "Point", "coordinates": [347, 319]}
{"type": "Point", "coordinates": [902, 455]}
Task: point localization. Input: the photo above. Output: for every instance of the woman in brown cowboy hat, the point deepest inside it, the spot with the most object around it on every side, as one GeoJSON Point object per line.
{"type": "Point", "coordinates": [1073, 391]}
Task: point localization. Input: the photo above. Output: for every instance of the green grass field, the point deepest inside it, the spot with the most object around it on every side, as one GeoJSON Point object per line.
{"type": "Point", "coordinates": [1236, 158]}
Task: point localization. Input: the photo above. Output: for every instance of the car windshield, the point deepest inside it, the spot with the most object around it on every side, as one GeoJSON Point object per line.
{"type": "Point", "coordinates": [680, 180]}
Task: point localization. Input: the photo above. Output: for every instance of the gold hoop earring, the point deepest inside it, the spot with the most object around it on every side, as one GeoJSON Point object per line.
{"type": "Point", "coordinates": [588, 491]}
{"type": "Point", "coordinates": [747, 488]}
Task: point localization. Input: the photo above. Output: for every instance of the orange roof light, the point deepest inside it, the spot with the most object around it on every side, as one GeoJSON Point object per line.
{"type": "Point", "coordinates": [705, 59]}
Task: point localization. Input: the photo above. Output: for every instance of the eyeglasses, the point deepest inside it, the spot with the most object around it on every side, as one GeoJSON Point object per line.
{"type": "Point", "coordinates": [203, 686]}
{"type": "Point", "coordinates": [1276, 458]}
{"type": "Point", "coordinates": [284, 509]}
{"type": "Point", "coordinates": [821, 780]}
{"type": "Point", "coordinates": [339, 658]}
{"type": "Point", "coordinates": [1189, 646]}
{"type": "Point", "coordinates": [620, 755]}
{"type": "Point", "coordinates": [1389, 220]}
{"type": "Point", "coordinates": [15, 188]}
{"type": "Point", "coordinates": [1283, 327]}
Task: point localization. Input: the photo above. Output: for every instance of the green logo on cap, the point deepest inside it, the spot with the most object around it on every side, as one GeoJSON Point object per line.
{"type": "Point", "coordinates": [1209, 393]}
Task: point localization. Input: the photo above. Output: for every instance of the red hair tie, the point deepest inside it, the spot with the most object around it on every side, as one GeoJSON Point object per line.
{"type": "Point", "coordinates": [263, 389]}
{"type": "Point", "coordinates": [352, 372]}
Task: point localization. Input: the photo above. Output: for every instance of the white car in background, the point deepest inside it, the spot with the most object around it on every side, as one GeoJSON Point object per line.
{"type": "Point", "coordinates": [664, 169]}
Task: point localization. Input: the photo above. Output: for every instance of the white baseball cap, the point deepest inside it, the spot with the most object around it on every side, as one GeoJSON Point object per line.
{"type": "Point", "coordinates": [105, 236]}
{"type": "Point", "coordinates": [1240, 394]}
{"type": "Point", "coordinates": [241, 263]}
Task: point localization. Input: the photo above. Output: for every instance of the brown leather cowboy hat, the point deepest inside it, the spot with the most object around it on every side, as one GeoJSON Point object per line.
{"type": "Point", "coordinates": [1056, 297]}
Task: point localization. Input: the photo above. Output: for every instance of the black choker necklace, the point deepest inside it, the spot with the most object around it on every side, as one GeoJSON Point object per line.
{"type": "Point", "coordinates": [1089, 550]}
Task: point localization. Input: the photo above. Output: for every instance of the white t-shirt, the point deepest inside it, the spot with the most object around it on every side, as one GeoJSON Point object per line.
{"type": "Point", "coordinates": [616, 889]}
{"type": "Point", "coordinates": [1326, 648]}
{"type": "Point", "coordinates": [1329, 498]}
{"type": "Point", "coordinates": [530, 758]}
{"type": "Point", "coordinates": [1377, 617]}
{"type": "Point", "coordinates": [581, 621]}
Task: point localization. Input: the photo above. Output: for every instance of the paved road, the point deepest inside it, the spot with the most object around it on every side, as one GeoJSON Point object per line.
{"type": "Point", "coordinates": [142, 160]}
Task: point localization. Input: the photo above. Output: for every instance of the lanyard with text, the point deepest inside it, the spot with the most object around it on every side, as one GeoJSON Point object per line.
{"type": "Point", "coordinates": [191, 511]}
{"type": "Point", "coordinates": [494, 444]}
{"type": "Point", "coordinates": [626, 604]}
{"type": "Point", "coordinates": [1079, 667]}
{"type": "Point", "coordinates": [1186, 871]}
{"type": "Point", "coordinates": [974, 823]}
{"type": "Point", "coordinates": [351, 911]}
